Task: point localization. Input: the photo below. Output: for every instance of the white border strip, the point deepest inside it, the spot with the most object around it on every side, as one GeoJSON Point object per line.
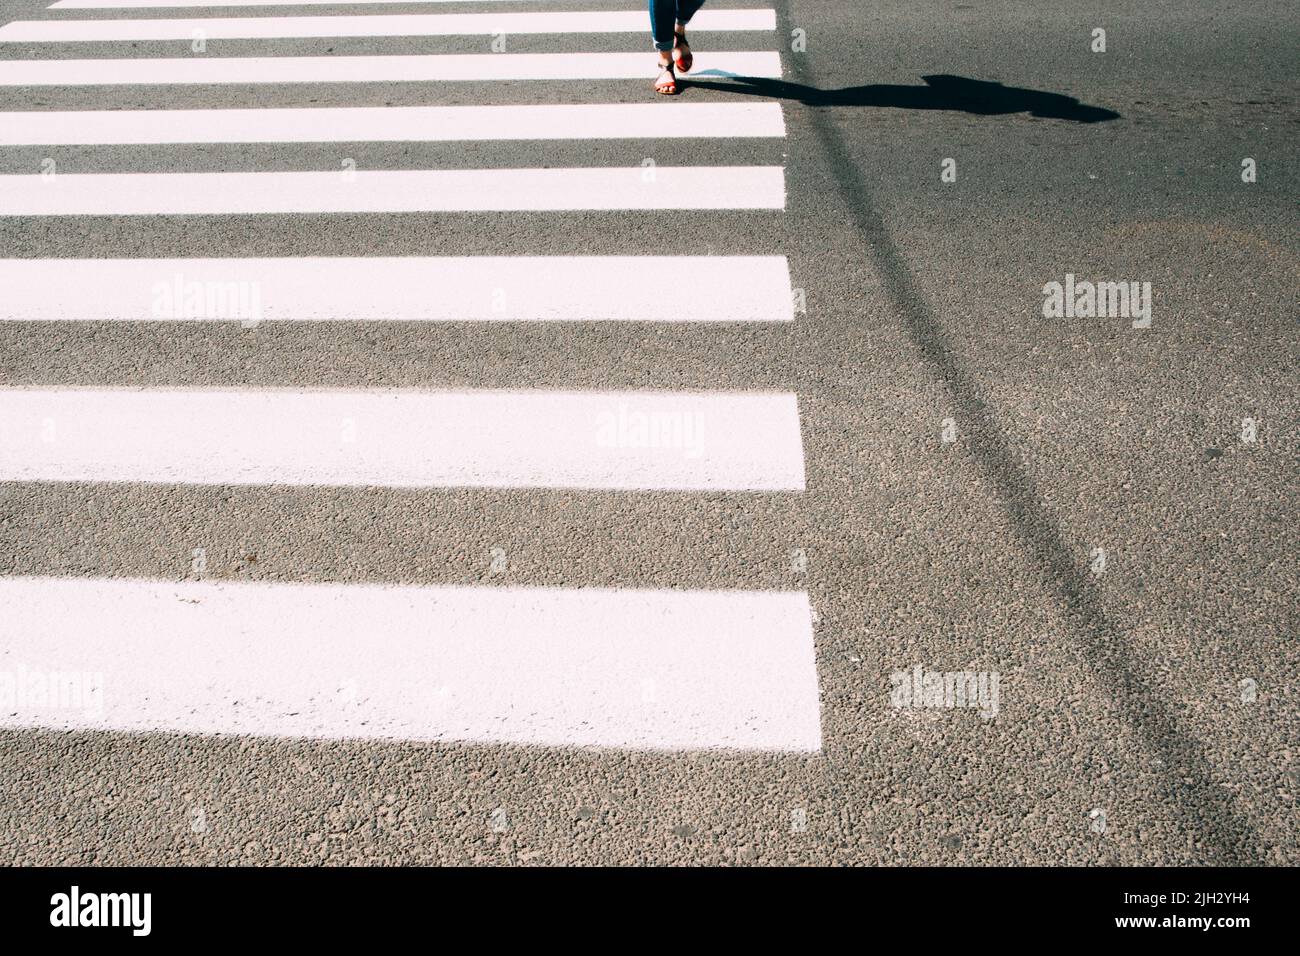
{"type": "Point", "coordinates": [445, 67]}
{"type": "Point", "coordinates": [440, 190]}
{"type": "Point", "coordinates": [392, 124]}
{"type": "Point", "coordinates": [190, 4]}
{"type": "Point", "coordinates": [687, 441]}
{"type": "Point", "coordinates": [434, 289]}
{"type": "Point", "coordinates": [642, 669]}
{"type": "Point", "coordinates": [393, 25]}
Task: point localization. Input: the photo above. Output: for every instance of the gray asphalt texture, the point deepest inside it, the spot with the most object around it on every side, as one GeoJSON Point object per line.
{"type": "Point", "coordinates": [1121, 692]}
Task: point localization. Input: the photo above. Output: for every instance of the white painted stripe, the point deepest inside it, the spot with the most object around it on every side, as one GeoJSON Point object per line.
{"type": "Point", "coordinates": [392, 124]}
{"type": "Point", "coordinates": [371, 69]}
{"type": "Point", "coordinates": [404, 438]}
{"type": "Point", "coordinates": [176, 4]}
{"type": "Point", "coordinates": [661, 670]}
{"type": "Point", "coordinates": [395, 25]}
{"type": "Point", "coordinates": [440, 190]}
{"type": "Point", "coordinates": [441, 289]}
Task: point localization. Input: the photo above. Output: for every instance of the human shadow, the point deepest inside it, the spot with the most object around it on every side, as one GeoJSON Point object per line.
{"type": "Point", "coordinates": [941, 92]}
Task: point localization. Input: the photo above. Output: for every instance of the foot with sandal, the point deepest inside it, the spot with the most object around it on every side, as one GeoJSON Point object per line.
{"type": "Point", "coordinates": [668, 19]}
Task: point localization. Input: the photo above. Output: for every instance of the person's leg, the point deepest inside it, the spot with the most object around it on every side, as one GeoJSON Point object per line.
{"type": "Point", "coordinates": [687, 9]}
{"type": "Point", "coordinates": [663, 17]}
{"type": "Point", "coordinates": [682, 54]}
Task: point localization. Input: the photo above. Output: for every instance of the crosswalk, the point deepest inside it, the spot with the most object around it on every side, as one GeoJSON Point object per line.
{"type": "Point", "coordinates": [407, 439]}
{"type": "Point", "coordinates": [177, 4]}
{"type": "Point", "coordinates": [594, 667]}
{"type": "Point", "coordinates": [404, 68]}
{"type": "Point", "coordinates": [623, 668]}
{"type": "Point", "coordinates": [432, 190]}
{"type": "Point", "coordinates": [409, 288]}
{"type": "Point", "coordinates": [391, 124]}
{"type": "Point", "coordinates": [387, 25]}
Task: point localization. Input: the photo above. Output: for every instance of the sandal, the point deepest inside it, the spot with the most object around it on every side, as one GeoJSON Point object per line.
{"type": "Point", "coordinates": [682, 55]}
{"type": "Point", "coordinates": [666, 85]}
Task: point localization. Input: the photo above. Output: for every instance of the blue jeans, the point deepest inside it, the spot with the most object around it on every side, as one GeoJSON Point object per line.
{"type": "Point", "coordinates": [666, 14]}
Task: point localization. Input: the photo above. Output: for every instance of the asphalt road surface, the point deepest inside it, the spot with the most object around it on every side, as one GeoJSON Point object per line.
{"type": "Point", "coordinates": [516, 627]}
